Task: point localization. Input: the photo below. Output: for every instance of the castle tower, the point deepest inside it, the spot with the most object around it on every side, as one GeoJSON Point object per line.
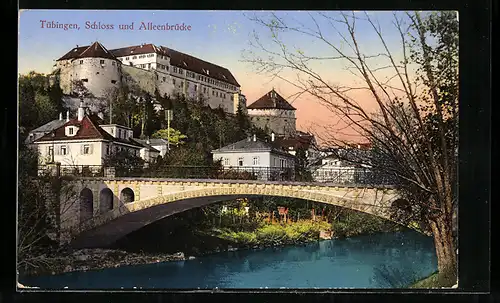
{"type": "Point", "coordinates": [275, 113]}
{"type": "Point", "coordinates": [96, 67]}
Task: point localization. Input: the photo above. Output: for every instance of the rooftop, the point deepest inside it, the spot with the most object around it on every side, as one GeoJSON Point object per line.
{"type": "Point", "coordinates": [177, 59]}
{"type": "Point", "coordinates": [271, 100]}
{"type": "Point", "coordinates": [252, 145]}
{"type": "Point", "coordinates": [96, 50]}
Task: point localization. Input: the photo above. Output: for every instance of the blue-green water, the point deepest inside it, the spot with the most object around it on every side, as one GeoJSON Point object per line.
{"type": "Point", "coordinates": [376, 261]}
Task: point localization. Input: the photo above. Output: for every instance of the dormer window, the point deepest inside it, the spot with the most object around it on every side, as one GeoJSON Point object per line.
{"type": "Point", "coordinates": [71, 130]}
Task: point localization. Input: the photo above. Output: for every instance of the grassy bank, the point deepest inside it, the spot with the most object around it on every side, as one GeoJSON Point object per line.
{"type": "Point", "coordinates": [274, 234]}
{"type": "Point", "coordinates": [432, 281]}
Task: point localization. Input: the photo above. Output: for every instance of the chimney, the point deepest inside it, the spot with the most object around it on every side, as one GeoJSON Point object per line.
{"type": "Point", "coordinates": [81, 112]}
{"type": "Point", "coordinates": [60, 116]}
{"type": "Point", "coordinates": [272, 137]}
{"type": "Point", "coordinates": [254, 138]}
{"type": "Point", "coordinates": [100, 115]}
{"type": "Point", "coordinates": [67, 116]}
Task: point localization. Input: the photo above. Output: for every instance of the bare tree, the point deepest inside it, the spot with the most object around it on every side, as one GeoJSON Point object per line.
{"type": "Point", "coordinates": [409, 114]}
{"type": "Point", "coordinates": [45, 203]}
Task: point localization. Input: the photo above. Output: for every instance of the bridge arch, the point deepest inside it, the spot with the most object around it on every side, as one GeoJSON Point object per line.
{"type": "Point", "coordinates": [127, 195]}
{"type": "Point", "coordinates": [107, 228]}
{"type": "Point", "coordinates": [86, 204]}
{"type": "Point", "coordinates": [105, 200]}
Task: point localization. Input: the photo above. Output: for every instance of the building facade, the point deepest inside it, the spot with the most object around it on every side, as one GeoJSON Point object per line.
{"type": "Point", "coordinates": [85, 141]}
{"type": "Point", "coordinates": [152, 68]}
{"type": "Point", "coordinates": [274, 113]}
{"type": "Point", "coordinates": [253, 155]}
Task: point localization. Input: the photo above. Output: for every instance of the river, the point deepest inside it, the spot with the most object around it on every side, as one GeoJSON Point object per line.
{"type": "Point", "coordinates": [385, 260]}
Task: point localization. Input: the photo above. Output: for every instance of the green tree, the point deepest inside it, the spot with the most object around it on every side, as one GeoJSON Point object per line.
{"type": "Point", "coordinates": [176, 137]}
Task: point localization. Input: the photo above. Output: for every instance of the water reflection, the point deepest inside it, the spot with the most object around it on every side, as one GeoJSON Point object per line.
{"type": "Point", "coordinates": [383, 260]}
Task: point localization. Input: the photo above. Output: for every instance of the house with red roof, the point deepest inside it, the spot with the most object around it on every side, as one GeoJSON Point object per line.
{"type": "Point", "coordinates": [86, 141]}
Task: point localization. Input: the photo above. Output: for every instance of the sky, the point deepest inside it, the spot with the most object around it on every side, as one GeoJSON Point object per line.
{"type": "Point", "coordinates": [220, 37]}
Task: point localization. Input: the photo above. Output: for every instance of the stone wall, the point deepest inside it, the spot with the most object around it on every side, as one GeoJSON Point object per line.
{"type": "Point", "coordinates": [97, 77]}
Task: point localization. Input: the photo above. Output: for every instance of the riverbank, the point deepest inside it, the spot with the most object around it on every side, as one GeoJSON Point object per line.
{"type": "Point", "coordinates": [95, 259]}
{"type": "Point", "coordinates": [431, 281]}
{"type": "Point", "coordinates": [194, 244]}
{"type": "Point", "coordinates": [161, 244]}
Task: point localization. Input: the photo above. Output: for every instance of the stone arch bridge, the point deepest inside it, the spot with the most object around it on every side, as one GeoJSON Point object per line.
{"type": "Point", "coordinates": [110, 208]}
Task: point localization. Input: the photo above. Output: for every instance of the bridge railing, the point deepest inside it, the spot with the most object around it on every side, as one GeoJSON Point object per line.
{"type": "Point", "coordinates": [228, 173]}
{"type": "Point", "coordinates": [352, 175]}
{"type": "Point", "coordinates": [347, 176]}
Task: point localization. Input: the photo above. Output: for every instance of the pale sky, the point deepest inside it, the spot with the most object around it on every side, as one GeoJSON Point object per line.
{"type": "Point", "coordinates": [220, 37]}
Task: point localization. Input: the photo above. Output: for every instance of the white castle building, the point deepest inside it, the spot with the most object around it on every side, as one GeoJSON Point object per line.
{"type": "Point", "coordinates": [152, 68]}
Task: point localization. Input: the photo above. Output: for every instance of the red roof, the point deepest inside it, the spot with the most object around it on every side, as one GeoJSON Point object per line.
{"type": "Point", "coordinates": [96, 50]}
{"type": "Point", "coordinates": [295, 142]}
{"type": "Point", "coordinates": [271, 100]}
{"type": "Point", "coordinates": [88, 129]}
{"type": "Point", "coordinates": [177, 59]}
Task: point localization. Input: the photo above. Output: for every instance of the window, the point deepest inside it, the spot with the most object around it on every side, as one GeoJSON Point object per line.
{"type": "Point", "coordinates": [113, 81]}
{"type": "Point", "coordinates": [195, 88]}
{"type": "Point", "coordinates": [70, 130]}
{"type": "Point", "coordinates": [134, 57]}
{"type": "Point", "coordinates": [119, 133]}
{"type": "Point", "coordinates": [204, 89]}
{"type": "Point", "coordinates": [127, 58]}
{"type": "Point", "coordinates": [113, 63]}
{"type": "Point", "coordinates": [81, 61]}
{"type": "Point", "coordinates": [240, 161]}
{"type": "Point", "coordinates": [86, 149]}
{"type": "Point", "coordinates": [85, 80]}
{"type": "Point", "coordinates": [226, 161]}
{"type": "Point", "coordinates": [173, 81]}
{"type": "Point", "coordinates": [282, 162]}
{"type": "Point", "coordinates": [149, 65]}
{"type": "Point", "coordinates": [164, 79]}
{"type": "Point", "coordinates": [166, 67]}
{"type": "Point", "coordinates": [131, 64]}
{"type": "Point", "coordinates": [64, 150]}
{"type": "Point", "coordinates": [213, 93]}
{"type": "Point", "coordinates": [51, 151]}
{"type": "Point", "coordinates": [102, 61]}
{"type": "Point", "coordinates": [97, 73]}
{"type": "Point", "coordinates": [256, 161]}
{"type": "Point", "coordinates": [107, 149]}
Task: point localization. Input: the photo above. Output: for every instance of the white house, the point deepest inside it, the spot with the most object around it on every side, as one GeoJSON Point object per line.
{"type": "Point", "coordinates": [84, 141]}
{"type": "Point", "coordinates": [147, 152]}
{"type": "Point", "coordinates": [331, 168]}
{"type": "Point", "coordinates": [267, 160]}
{"type": "Point", "coordinates": [159, 144]}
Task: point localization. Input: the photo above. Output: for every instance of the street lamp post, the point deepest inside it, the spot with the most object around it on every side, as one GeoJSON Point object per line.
{"type": "Point", "coordinates": [168, 117]}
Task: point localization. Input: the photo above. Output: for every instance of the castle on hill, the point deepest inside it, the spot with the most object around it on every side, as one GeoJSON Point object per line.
{"type": "Point", "coordinates": [151, 68]}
